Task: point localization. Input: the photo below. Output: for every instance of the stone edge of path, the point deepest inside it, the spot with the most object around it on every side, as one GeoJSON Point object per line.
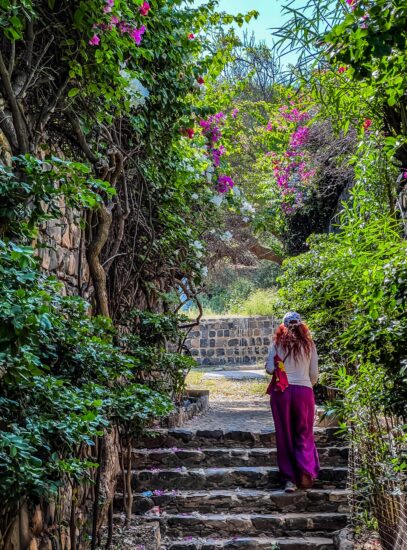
{"type": "Point", "coordinates": [182, 414]}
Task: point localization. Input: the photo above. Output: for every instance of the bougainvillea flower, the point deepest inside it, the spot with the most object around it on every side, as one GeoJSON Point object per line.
{"type": "Point", "coordinates": [367, 123]}
{"type": "Point", "coordinates": [225, 183]}
{"type": "Point", "coordinates": [95, 40]}
{"type": "Point", "coordinates": [137, 34]}
{"type": "Point", "coordinates": [405, 175]}
{"type": "Point", "coordinates": [190, 132]}
{"type": "Point", "coordinates": [235, 113]}
{"type": "Point", "coordinates": [350, 2]}
{"type": "Point", "coordinates": [341, 70]}
{"type": "Point", "coordinates": [107, 9]}
{"type": "Point", "coordinates": [299, 137]}
{"type": "Point", "coordinates": [124, 27]}
{"type": "Point", "coordinates": [200, 80]}
{"type": "Point", "coordinates": [145, 8]}
{"type": "Point", "coordinates": [216, 154]}
{"type": "Point", "coordinates": [191, 36]}
{"type": "Point", "coordinates": [115, 20]}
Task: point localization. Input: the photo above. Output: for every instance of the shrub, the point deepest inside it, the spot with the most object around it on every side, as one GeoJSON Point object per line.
{"type": "Point", "coordinates": [259, 302]}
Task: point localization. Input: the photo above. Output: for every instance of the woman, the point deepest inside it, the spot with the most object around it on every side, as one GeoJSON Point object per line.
{"type": "Point", "coordinates": [294, 408]}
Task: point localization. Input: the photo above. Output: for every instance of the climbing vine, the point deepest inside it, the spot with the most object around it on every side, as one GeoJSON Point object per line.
{"type": "Point", "coordinates": [96, 99]}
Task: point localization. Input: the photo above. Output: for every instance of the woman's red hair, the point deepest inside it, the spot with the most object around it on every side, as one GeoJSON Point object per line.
{"type": "Point", "coordinates": [298, 340]}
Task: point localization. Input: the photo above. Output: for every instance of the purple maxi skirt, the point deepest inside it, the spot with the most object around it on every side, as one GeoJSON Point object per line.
{"type": "Point", "coordinates": [293, 413]}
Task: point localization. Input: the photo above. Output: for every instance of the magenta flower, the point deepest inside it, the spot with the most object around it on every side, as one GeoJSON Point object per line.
{"type": "Point", "coordinates": [269, 127]}
{"type": "Point", "coordinates": [216, 154]}
{"type": "Point", "coordinates": [341, 70]}
{"type": "Point", "coordinates": [405, 175]}
{"type": "Point", "coordinates": [145, 8]}
{"type": "Point", "coordinates": [115, 20]}
{"type": "Point", "coordinates": [191, 36]}
{"type": "Point", "coordinates": [95, 40]}
{"type": "Point", "coordinates": [299, 137]}
{"type": "Point", "coordinates": [137, 34]}
{"type": "Point", "coordinates": [107, 9]}
{"type": "Point", "coordinates": [234, 113]}
{"type": "Point", "coordinates": [225, 183]}
{"type": "Point", "coordinates": [367, 123]}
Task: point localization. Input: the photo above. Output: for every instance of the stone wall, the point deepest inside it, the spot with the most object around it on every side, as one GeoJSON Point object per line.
{"type": "Point", "coordinates": [62, 252]}
{"type": "Point", "coordinates": [232, 341]}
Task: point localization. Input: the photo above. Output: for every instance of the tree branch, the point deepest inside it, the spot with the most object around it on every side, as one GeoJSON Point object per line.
{"type": "Point", "coordinates": [17, 118]}
{"type": "Point", "coordinates": [73, 119]}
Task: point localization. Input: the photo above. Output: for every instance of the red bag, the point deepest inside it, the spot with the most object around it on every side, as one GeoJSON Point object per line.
{"type": "Point", "coordinates": [279, 380]}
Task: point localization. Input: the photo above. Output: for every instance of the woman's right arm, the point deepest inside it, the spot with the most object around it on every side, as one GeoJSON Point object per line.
{"type": "Point", "coordinates": [270, 360]}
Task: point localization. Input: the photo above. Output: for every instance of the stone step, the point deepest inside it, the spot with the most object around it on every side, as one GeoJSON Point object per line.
{"type": "Point", "coordinates": [226, 457]}
{"type": "Point", "coordinates": [238, 501]}
{"type": "Point", "coordinates": [159, 439]}
{"type": "Point", "coordinates": [229, 525]}
{"type": "Point", "coordinates": [217, 478]}
{"type": "Point", "coordinates": [247, 543]}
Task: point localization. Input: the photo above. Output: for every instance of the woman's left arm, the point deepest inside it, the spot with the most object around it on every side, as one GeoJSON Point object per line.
{"type": "Point", "coordinates": [313, 368]}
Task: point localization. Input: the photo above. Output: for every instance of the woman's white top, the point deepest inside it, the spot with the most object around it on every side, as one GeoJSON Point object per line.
{"type": "Point", "coordinates": [302, 371]}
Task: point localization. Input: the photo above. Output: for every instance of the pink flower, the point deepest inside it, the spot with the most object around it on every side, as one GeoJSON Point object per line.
{"type": "Point", "coordinates": [95, 40]}
{"type": "Point", "coordinates": [405, 175]}
{"type": "Point", "coordinates": [191, 36]}
{"type": "Point", "coordinates": [269, 127]}
{"type": "Point", "coordinates": [107, 9]}
{"type": "Point", "coordinates": [367, 123]}
{"type": "Point", "coordinates": [341, 70]}
{"type": "Point", "coordinates": [234, 113]}
{"type": "Point", "coordinates": [200, 80]}
{"type": "Point", "coordinates": [115, 20]}
{"type": "Point", "coordinates": [145, 8]}
{"type": "Point", "coordinates": [137, 34]}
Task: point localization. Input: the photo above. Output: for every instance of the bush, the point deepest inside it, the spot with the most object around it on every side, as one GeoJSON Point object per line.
{"type": "Point", "coordinates": [259, 302]}
{"type": "Point", "coordinates": [62, 382]}
{"type": "Point", "coordinates": [228, 289]}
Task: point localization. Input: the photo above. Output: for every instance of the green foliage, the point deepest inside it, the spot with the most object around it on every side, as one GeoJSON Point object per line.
{"type": "Point", "coordinates": [32, 191]}
{"type": "Point", "coordinates": [379, 63]}
{"type": "Point", "coordinates": [61, 381]}
{"type": "Point", "coordinates": [352, 289]}
{"type": "Point", "coordinates": [248, 292]}
{"type": "Point", "coordinates": [259, 302]}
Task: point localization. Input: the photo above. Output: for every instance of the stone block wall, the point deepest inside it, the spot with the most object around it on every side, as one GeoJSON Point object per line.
{"type": "Point", "coordinates": [232, 341]}
{"type": "Point", "coordinates": [62, 253]}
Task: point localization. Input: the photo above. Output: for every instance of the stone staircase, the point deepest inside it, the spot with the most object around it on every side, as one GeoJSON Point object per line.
{"type": "Point", "coordinates": [220, 489]}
